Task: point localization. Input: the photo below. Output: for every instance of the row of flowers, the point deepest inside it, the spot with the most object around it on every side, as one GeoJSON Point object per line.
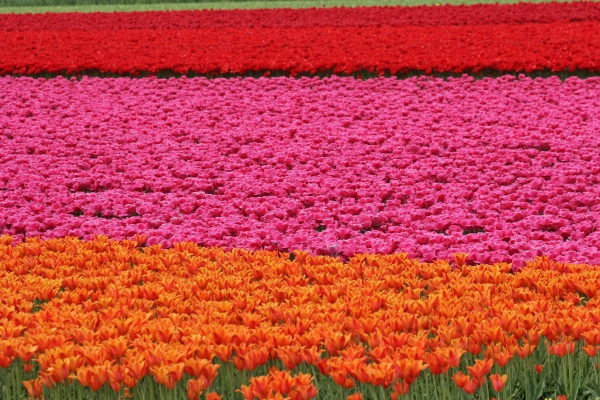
{"type": "Point", "coordinates": [112, 319]}
{"type": "Point", "coordinates": [504, 169]}
{"type": "Point", "coordinates": [480, 14]}
{"type": "Point", "coordinates": [525, 47]}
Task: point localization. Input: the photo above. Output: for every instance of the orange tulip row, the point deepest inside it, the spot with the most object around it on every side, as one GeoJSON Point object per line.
{"type": "Point", "coordinates": [107, 314]}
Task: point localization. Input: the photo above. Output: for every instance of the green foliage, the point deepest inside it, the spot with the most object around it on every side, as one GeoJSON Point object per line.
{"type": "Point", "coordinates": [40, 6]}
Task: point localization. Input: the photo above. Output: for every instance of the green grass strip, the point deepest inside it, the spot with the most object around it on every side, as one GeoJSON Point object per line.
{"type": "Point", "coordinates": [41, 6]}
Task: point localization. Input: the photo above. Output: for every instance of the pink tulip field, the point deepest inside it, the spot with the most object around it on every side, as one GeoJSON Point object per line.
{"type": "Point", "coordinates": [504, 169]}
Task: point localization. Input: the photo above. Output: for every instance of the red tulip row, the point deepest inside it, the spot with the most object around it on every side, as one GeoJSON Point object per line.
{"type": "Point", "coordinates": [482, 14]}
{"type": "Point", "coordinates": [525, 47]}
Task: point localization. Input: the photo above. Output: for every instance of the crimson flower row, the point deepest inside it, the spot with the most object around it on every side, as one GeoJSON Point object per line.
{"type": "Point", "coordinates": [527, 47]}
{"type": "Point", "coordinates": [481, 14]}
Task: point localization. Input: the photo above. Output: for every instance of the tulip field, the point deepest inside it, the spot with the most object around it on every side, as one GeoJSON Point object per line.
{"type": "Point", "coordinates": [301, 203]}
{"type": "Point", "coordinates": [557, 37]}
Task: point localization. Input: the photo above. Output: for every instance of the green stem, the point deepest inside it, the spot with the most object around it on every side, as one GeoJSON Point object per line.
{"type": "Point", "coordinates": [570, 360]}
{"type": "Point", "coordinates": [444, 386]}
{"type": "Point", "coordinates": [19, 378]}
{"type": "Point", "coordinates": [596, 370]}
{"type": "Point", "coordinates": [381, 392]}
{"type": "Point", "coordinates": [565, 372]}
{"type": "Point", "coordinates": [9, 384]}
{"type": "Point", "coordinates": [372, 390]}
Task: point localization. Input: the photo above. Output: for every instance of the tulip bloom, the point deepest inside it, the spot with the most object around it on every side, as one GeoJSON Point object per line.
{"type": "Point", "coordinates": [34, 388]}
{"type": "Point", "coordinates": [538, 368]}
{"type": "Point", "coordinates": [481, 368]}
{"type": "Point", "coordinates": [498, 381]}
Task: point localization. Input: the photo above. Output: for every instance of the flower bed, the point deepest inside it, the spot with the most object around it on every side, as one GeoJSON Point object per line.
{"type": "Point", "coordinates": [480, 14]}
{"type": "Point", "coordinates": [119, 319]}
{"type": "Point", "coordinates": [504, 170]}
{"type": "Point", "coordinates": [556, 46]}
{"type": "Point", "coordinates": [300, 238]}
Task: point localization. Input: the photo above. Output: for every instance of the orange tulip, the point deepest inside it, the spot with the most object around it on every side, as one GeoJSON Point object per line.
{"type": "Point", "coordinates": [436, 363]}
{"type": "Point", "coordinates": [100, 372]}
{"type": "Point", "coordinates": [291, 356]}
{"type": "Point", "coordinates": [282, 381]}
{"type": "Point", "coordinates": [323, 366]}
{"type": "Point", "coordinates": [471, 387]}
{"type": "Point", "coordinates": [340, 377]}
{"type": "Point", "coordinates": [454, 355]}
{"type": "Point", "coordinates": [474, 347]}
{"type": "Point", "coordinates": [502, 358]}
{"type": "Point", "coordinates": [210, 372]}
{"type": "Point", "coordinates": [538, 368]}
{"type": "Point", "coordinates": [336, 342]}
{"type": "Point", "coordinates": [117, 347]}
{"type": "Point", "coordinates": [357, 369]}
{"type": "Point", "coordinates": [261, 385]}
{"type": "Point", "coordinates": [305, 391]}
{"type": "Point", "coordinates": [400, 389]}
{"type": "Point", "coordinates": [195, 387]}
{"type": "Point", "coordinates": [461, 379]}
{"type": "Point", "coordinates": [137, 368]}
{"type": "Point", "coordinates": [28, 367]}
{"type": "Point", "coordinates": [26, 353]}
{"type": "Point", "coordinates": [194, 367]}
{"type": "Point", "coordinates": [592, 337]}
{"type": "Point", "coordinates": [379, 375]}
{"type": "Point", "coordinates": [34, 388]}
{"type": "Point", "coordinates": [5, 360]}
{"type": "Point", "coordinates": [378, 353]}
{"type": "Point", "coordinates": [59, 371]}
{"type": "Point", "coordinates": [481, 368]}
{"type": "Point", "coordinates": [525, 351]}
{"type": "Point", "coordinates": [533, 336]}
{"type": "Point", "coordinates": [561, 348]}
{"type": "Point", "coordinates": [312, 355]}
{"type": "Point", "coordinates": [223, 352]}
{"type": "Point", "coordinates": [116, 376]}
{"type": "Point", "coordinates": [498, 381]}
{"type": "Point", "coordinates": [154, 356]}
{"type": "Point", "coordinates": [176, 371]}
{"type": "Point", "coordinates": [408, 370]}
{"type": "Point", "coordinates": [460, 258]}
{"type": "Point", "coordinates": [167, 374]}
{"type": "Point", "coordinates": [247, 392]}
{"type": "Point", "coordinates": [46, 379]}
{"type": "Point", "coordinates": [590, 350]}
{"type": "Point", "coordinates": [88, 376]}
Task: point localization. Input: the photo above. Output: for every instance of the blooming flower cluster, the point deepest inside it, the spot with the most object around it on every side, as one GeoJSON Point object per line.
{"type": "Point", "coordinates": [122, 319]}
{"type": "Point", "coordinates": [502, 169]}
{"type": "Point", "coordinates": [357, 17]}
{"type": "Point", "coordinates": [555, 46]}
